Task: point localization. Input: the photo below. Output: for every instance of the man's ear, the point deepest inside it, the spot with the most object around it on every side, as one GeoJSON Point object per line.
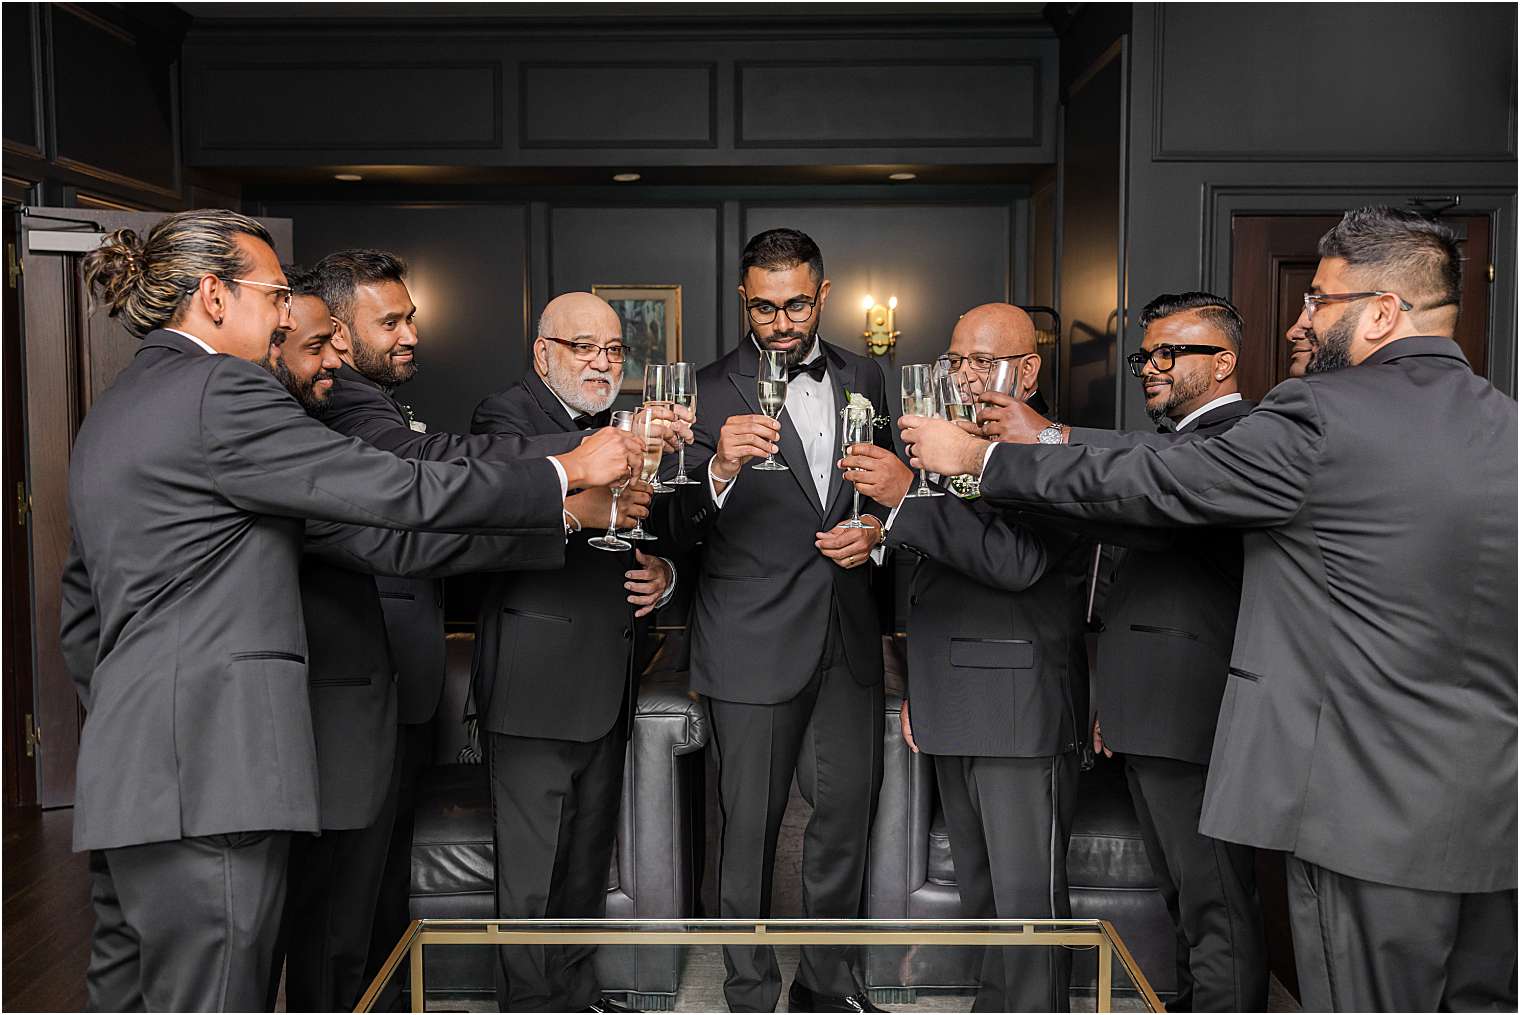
{"type": "Point", "coordinates": [1033, 372]}
{"type": "Point", "coordinates": [341, 338]}
{"type": "Point", "coordinates": [823, 293]}
{"type": "Point", "coordinates": [541, 357]}
{"type": "Point", "coordinates": [1224, 364]}
{"type": "Point", "coordinates": [212, 293]}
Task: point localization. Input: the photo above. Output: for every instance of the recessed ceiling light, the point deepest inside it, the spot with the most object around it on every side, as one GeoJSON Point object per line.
{"type": "Point", "coordinates": [903, 176]}
{"type": "Point", "coordinates": [348, 177]}
{"type": "Point", "coordinates": [626, 177]}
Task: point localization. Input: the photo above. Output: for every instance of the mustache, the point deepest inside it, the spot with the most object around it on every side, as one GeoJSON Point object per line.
{"type": "Point", "coordinates": [324, 375]}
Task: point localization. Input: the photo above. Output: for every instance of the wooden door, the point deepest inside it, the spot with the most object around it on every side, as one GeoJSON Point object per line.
{"type": "Point", "coordinates": [1274, 259]}
{"type": "Point", "coordinates": [73, 351]}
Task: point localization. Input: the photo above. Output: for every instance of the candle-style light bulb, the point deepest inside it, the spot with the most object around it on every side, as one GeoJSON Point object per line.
{"type": "Point", "coordinates": [867, 303]}
{"type": "Point", "coordinates": [892, 303]}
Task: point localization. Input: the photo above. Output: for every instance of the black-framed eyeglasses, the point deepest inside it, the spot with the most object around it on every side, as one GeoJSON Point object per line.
{"type": "Point", "coordinates": [797, 310]}
{"type": "Point", "coordinates": [587, 352]}
{"type": "Point", "coordinates": [979, 362]}
{"type": "Point", "coordinates": [1313, 300]}
{"type": "Point", "coordinates": [1164, 357]}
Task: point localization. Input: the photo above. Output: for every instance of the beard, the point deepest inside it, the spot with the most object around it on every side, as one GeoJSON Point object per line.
{"type": "Point", "coordinates": [1182, 392]}
{"type": "Point", "coordinates": [804, 348]}
{"type": "Point", "coordinates": [378, 366]}
{"type": "Point", "coordinates": [303, 392]}
{"type": "Point", "coordinates": [1332, 349]}
{"type": "Point", "coordinates": [567, 380]}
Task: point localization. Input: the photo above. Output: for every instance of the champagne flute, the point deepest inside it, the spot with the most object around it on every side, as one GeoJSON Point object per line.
{"type": "Point", "coordinates": [918, 400]}
{"type": "Point", "coordinates": [683, 391]}
{"type": "Point", "coordinates": [657, 395]}
{"type": "Point", "coordinates": [855, 428]}
{"type": "Point", "coordinates": [957, 403]}
{"type": "Point", "coordinates": [770, 381]}
{"type": "Point", "coordinates": [647, 427]}
{"type": "Point", "coordinates": [1004, 380]}
{"type": "Point", "coordinates": [623, 420]}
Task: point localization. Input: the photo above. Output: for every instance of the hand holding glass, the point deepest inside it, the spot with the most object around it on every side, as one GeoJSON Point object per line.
{"type": "Point", "coordinates": [658, 394]}
{"type": "Point", "coordinates": [683, 392]}
{"type": "Point", "coordinates": [855, 427]}
{"type": "Point", "coordinates": [770, 383]}
{"type": "Point", "coordinates": [918, 400]}
{"type": "Point", "coordinates": [623, 420]}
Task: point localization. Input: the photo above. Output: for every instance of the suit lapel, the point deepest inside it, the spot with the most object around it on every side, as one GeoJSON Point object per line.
{"type": "Point", "coordinates": [790, 444]}
{"type": "Point", "coordinates": [845, 379]}
{"type": "Point", "coordinates": [547, 403]}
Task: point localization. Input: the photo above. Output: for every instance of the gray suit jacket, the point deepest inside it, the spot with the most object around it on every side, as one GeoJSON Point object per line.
{"type": "Point", "coordinates": [1369, 725]}
{"type": "Point", "coordinates": [188, 487]}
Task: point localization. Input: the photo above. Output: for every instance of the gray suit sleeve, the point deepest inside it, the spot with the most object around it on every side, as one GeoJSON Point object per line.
{"type": "Point", "coordinates": [1256, 474]}
{"type": "Point", "coordinates": [78, 624]}
{"type": "Point", "coordinates": [399, 554]}
{"type": "Point", "coordinates": [1095, 438]}
{"type": "Point", "coordinates": [267, 456]}
{"type": "Point", "coordinates": [973, 540]}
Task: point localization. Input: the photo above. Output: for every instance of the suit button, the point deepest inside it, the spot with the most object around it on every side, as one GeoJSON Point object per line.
{"type": "Point", "coordinates": [912, 600]}
{"type": "Point", "coordinates": [627, 632]}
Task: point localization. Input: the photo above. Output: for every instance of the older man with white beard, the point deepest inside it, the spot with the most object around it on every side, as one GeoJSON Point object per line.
{"type": "Point", "coordinates": [556, 678]}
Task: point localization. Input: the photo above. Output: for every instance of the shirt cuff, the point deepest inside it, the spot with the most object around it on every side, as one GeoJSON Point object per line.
{"type": "Point", "coordinates": [712, 487]}
{"type": "Point", "coordinates": [670, 589]}
{"type": "Point", "coordinates": [987, 456]}
{"type": "Point", "coordinates": [564, 481]}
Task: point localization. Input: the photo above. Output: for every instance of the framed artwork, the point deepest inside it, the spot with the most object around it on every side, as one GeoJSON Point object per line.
{"type": "Point", "coordinates": [651, 316]}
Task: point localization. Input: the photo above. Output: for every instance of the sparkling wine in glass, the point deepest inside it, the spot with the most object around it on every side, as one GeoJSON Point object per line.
{"type": "Point", "coordinates": [658, 395]}
{"type": "Point", "coordinates": [957, 401]}
{"type": "Point", "coordinates": [855, 428]}
{"type": "Point", "coordinates": [770, 385]}
{"type": "Point", "coordinates": [623, 420]}
{"type": "Point", "coordinates": [683, 391]}
{"type": "Point", "coordinates": [649, 429]}
{"type": "Point", "coordinates": [918, 400]}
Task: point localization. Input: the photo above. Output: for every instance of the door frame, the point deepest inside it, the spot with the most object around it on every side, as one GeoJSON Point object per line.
{"type": "Point", "coordinates": [1221, 202]}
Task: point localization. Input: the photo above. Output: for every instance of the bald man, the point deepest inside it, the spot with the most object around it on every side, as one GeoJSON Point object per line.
{"type": "Point", "coordinates": [556, 676]}
{"type": "Point", "coordinates": [997, 679]}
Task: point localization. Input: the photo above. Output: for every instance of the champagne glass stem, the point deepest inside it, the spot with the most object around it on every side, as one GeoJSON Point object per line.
{"type": "Point", "coordinates": [681, 460]}
{"type": "Point", "coordinates": [923, 482]}
{"type": "Point", "coordinates": [855, 513]}
{"type": "Point", "coordinates": [612, 522]}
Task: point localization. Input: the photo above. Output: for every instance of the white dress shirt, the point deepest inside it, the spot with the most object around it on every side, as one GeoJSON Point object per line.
{"type": "Point", "coordinates": [1216, 403]}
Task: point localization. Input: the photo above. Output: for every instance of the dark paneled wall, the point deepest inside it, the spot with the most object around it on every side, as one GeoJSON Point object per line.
{"type": "Point", "coordinates": [481, 272]}
{"type": "Point", "coordinates": [624, 92]}
{"type": "Point", "coordinates": [1313, 108]}
{"type": "Point", "coordinates": [91, 108]}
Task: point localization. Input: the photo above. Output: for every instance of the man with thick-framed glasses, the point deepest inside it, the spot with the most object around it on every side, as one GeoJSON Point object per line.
{"type": "Point", "coordinates": [1368, 726]}
{"type": "Point", "coordinates": [786, 643]}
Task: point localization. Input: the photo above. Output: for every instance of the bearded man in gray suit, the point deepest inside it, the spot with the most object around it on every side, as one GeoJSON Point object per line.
{"type": "Point", "coordinates": [1368, 728]}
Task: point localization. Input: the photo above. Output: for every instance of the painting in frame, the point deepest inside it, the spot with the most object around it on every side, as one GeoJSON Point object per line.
{"type": "Point", "coordinates": [651, 316]}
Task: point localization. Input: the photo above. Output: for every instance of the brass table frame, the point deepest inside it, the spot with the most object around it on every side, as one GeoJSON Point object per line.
{"type": "Point", "coordinates": [1098, 934]}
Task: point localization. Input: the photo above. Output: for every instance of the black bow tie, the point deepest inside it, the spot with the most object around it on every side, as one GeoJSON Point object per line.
{"type": "Point", "coordinates": [593, 420]}
{"type": "Point", "coordinates": [815, 369]}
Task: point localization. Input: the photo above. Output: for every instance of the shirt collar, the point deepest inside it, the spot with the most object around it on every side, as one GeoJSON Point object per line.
{"type": "Point", "coordinates": [197, 341]}
{"type": "Point", "coordinates": [1216, 403]}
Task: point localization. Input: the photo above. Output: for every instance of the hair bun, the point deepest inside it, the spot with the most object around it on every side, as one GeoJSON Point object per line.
{"type": "Point", "coordinates": [115, 267]}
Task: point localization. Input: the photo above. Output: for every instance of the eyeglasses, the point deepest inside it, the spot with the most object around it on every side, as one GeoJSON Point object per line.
{"type": "Point", "coordinates": [797, 310]}
{"type": "Point", "coordinates": [1164, 357]}
{"type": "Point", "coordinates": [286, 293]}
{"type": "Point", "coordinates": [980, 363]}
{"type": "Point", "coordinates": [1312, 300]}
{"type": "Point", "coordinates": [586, 352]}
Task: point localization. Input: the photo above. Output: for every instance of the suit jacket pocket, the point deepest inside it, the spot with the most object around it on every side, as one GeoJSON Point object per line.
{"type": "Point", "coordinates": [1174, 632]}
{"type": "Point", "coordinates": [1236, 671]}
{"type": "Point", "coordinates": [340, 682]}
{"type": "Point", "coordinates": [552, 618]}
{"type": "Point", "coordinates": [739, 577]}
{"type": "Point", "coordinates": [289, 657]}
{"type": "Point", "coordinates": [992, 654]}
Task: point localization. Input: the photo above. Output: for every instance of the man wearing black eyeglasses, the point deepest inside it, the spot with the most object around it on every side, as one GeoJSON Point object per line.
{"type": "Point", "coordinates": [1164, 657]}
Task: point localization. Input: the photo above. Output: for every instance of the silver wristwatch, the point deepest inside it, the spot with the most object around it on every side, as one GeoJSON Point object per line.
{"type": "Point", "coordinates": [1050, 435]}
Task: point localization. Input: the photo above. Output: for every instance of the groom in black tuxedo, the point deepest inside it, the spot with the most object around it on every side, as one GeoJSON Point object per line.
{"type": "Point", "coordinates": [786, 645]}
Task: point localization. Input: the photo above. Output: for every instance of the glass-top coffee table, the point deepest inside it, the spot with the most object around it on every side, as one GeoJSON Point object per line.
{"type": "Point", "coordinates": [652, 965]}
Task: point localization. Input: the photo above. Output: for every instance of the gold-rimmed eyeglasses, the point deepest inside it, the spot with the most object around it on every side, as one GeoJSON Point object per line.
{"type": "Point", "coordinates": [286, 293]}
{"type": "Point", "coordinates": [1312, 300]}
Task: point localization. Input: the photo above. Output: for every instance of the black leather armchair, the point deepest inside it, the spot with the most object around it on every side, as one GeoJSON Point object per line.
{"type": "Point", "coordinates": [912, 876]}
{"type": "Point", "coordinates": [655, 869]}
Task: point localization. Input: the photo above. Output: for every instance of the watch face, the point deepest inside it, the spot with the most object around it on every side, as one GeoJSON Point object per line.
{"type": "Point", "coordinates": [1049, 435]}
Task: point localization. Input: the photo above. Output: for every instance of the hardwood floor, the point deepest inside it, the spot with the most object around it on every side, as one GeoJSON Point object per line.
{"type": "Point", "coordinates": [46, 917]}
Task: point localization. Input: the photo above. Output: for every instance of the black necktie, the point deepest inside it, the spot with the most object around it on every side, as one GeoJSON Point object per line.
{"type": "Point", "coordinates": [814, 369]}
{"type": "Point", "coordinates": [593, 420]}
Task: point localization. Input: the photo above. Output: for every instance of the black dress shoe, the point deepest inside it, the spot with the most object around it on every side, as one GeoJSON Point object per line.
{"type": "Point", "coordinates": [607, 1004]}
{"type": "Point", "coordinates": [800, 998]}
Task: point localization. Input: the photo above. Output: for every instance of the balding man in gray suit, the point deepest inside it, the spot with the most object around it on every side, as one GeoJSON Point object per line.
{"type": "Point", "coordinates": [189, 487]}
{"type": "Point", "coordinates": [1368, 728]}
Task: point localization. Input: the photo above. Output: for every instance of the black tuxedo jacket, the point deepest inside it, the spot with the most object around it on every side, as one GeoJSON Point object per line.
{"type": "Point", "coordinates": [996, 662]}
{"type": "Point", "coordinates": [1169, 623]}
{"type": "Point", "coordinates": [554, 651]}
{"type": "Point", "coordinates": [1368, 725]}
{"type": "Point", "coordinates": [189, 486]}
{"type": "Point", "coordinates": [413, 608]}
{"type": "Point", "coordinates": [763, 596]}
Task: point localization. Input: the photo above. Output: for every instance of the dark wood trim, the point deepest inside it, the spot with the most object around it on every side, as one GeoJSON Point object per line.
{"type": "Point", "coordinates": [1032, 140]}
{"type": "Point", "coordinates": [121, 179]}
{"type": "Point", "coordinates": [711, 140]}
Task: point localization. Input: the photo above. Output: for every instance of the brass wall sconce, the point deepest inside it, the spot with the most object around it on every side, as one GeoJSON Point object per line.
{"type": "Point", "coordinates": [881, 326]}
